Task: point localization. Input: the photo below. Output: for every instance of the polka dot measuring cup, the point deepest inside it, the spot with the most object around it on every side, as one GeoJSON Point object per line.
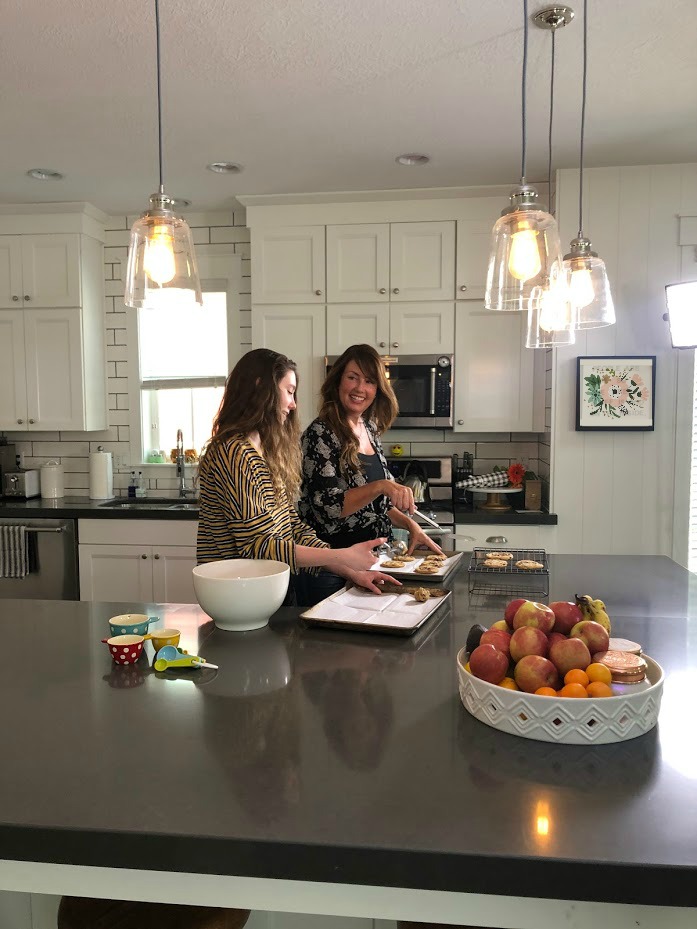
{"type": "Point", "coordinates": [125, 649]}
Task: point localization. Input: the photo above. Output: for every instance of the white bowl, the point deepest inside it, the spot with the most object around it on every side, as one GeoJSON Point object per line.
{"type": "Point", "coordinates": [241, 593]}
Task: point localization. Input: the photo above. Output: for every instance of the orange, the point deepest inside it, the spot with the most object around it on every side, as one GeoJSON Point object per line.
{"type": "Point", "coordinates": [467, 668]}
{"type": "Point", "coordinates": [573, 690]}
{"type": "Point", "coordinates": [599, 672]}
{"type": "Point", "coordinates": [546, 691]}
{"type": "Point", "coordinates": [576, 676]}
{"type": "Point", "coordinates": [599, 689]}
{"type": "Point", "coordinates": [509, 684]}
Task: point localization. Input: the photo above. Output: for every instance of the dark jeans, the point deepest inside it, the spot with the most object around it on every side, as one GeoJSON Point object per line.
{"type": "Point", "coordinates": [311, 588]}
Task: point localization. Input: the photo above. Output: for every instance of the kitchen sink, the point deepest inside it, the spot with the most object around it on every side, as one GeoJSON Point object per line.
{"type": "Point", "coordinates": [183, 506]}
{"type": "Point", "coordinates": [149, 503]}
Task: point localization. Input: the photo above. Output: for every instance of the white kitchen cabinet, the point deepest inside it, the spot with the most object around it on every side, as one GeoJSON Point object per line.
{"type": "Point", "coordinates": [358, 263]}
{"type": "Point", "coordinates": [300, 332]}
{"type": "Point", "coordinates": [473, 248]}
{"type": "Point", "coordinates": [397, 329]}
{"type": "Point", "coordinates": [288, 265]}
{"type": "Point", "coordinates": [494, 372]}
{"type": "Point", "coordinates": [139, 560]}
{"type": "Point", "coordinates": [40, 270]}
{"type": "Point", "coordinates": [422, 261]}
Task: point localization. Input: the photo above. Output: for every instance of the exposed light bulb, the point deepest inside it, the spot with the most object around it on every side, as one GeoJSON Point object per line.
{"type": "Point", "coordinates": [159, 263]}
{"type": "Point", "coordinates": [581, 287]}
{"type": "Point", "coordinates": [524, 261]}
{"type": "Point", "coordinates": [553, 312]}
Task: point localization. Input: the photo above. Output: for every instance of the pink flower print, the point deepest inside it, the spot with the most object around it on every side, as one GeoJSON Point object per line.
{"type": "Point", "coordinates": [613, 392]}
{"type": "Point", "coordinates": [640, 390]}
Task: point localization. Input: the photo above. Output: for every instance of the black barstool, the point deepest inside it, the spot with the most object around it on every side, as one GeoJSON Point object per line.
{"type": "Point", "coordinates": [91, 913]}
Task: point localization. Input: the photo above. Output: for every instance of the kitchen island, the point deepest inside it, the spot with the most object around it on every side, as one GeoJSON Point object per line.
{"type": "Point", "coordinates": [338, 773]}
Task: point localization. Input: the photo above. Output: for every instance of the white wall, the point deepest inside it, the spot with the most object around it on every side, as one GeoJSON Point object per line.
{"type": "Point", "coordinates": [614, 491]}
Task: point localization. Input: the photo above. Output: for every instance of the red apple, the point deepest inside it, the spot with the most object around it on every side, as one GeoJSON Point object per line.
{"type": "Point", "coordinates": [569, 654]}
{"type": "Point", "coordinates": [555, 637]}
{"type": "Point", "coordinates": [501, 624]}
{"type": "Point", "coordinates": [512, 609]}
{"type": "Point", "coordinates": [566, 615]}
{"type": "Point", "coordinates": [593, 634]}
{"type": "Point", "coordinates": [499, 639]}
{"type": "Point", "coordinates": [528, 641]}
{"type": "Point", "coordinates": [533, 672]}
{"type": "Point", "coordinates": [489, 664]}
{"type": "Point", "coordinates": [534, 614]}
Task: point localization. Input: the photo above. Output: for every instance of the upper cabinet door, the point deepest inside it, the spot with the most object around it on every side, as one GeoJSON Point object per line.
{"type": "Point", "coordinates": [422, 261]}
{"type": "Point", "coordinates": [13, 390]}
{"type": "Point", "coordinates": [53, 345]}
{"type": "Point", "coordinates": [51, 270]}
{"type": "Point", "coordinates": [358, 324]}
{"type": "Point", "coordinates": [288, 265]}
{"type": "Point", "coordinates": [358, 263]}
{"type": "Point", "coordinates": [494, 372]}
{"type": "Point", "coordinates": [422, 328]}
{"type": "Point", "coordinates": [473, 247]}
{"type": "Point", "coordinates": [11, 293]}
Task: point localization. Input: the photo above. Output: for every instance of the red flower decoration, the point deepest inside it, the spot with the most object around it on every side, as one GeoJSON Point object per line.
{"type": "Point", "coordinates": [516, 473]}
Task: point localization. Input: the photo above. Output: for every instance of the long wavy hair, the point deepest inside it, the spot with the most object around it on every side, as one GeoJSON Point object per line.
{"type": "Point", "coordinates": [251, 403]}
{"type": "Point", "coordinates": [381, 412]}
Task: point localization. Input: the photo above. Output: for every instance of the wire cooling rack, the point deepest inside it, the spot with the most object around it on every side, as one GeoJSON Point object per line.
{"type": "Point", "coordinates": [511, 579]}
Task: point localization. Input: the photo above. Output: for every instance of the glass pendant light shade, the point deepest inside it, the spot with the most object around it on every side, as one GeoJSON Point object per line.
{"type": "Point", "coordinates": [551, 314]}
{"type": "Point", "coordinates": [524, 248]}
{"type": "Point", "coordinates": [161, 260]}
{"type": "Point", "coordinates": [589, 286]}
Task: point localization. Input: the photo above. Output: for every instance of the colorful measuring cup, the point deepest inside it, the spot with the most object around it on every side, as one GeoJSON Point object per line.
{"type": "Point", "coordinates": [125, 649]}
{"type": "Point", "coordinates": [131, 623]}
{"type": "Point", "coordinates": [163, 637]}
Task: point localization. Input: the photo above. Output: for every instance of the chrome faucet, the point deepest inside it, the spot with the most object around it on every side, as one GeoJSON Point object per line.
{"type": "Point", "coordinates": [181, 474]}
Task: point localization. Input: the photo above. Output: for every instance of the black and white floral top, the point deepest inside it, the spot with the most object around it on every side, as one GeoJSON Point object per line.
{"type": "Point", "coordinates": [324, 485]}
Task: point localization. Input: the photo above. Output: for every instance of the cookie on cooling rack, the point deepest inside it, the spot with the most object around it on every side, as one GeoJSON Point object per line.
{"type": "Point", "coordinates": [495, 563]}
{"type": "Point", "coordinates": [527, 565]}
{"type": "Point", "coordinates": [501, 556]}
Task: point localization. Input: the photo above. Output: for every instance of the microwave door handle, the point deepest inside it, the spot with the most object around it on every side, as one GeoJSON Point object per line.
{"type": "Point", "coordinates": [433, 392]}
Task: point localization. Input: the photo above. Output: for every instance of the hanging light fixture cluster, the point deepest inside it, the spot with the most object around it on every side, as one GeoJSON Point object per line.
{"type": "Point", "coordinates": [161, 267]}
{"type": "Point", "coordinates": [526, 270]}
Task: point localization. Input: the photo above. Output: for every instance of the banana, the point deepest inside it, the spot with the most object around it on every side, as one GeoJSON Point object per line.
{"type": "Point", "coordinates": [594, 610]}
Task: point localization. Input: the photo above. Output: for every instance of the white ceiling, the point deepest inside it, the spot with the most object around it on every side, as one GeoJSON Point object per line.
{"type": "Point", "coordinates": [313, 95]}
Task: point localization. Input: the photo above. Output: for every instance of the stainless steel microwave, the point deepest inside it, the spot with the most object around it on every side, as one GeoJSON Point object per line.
{"type": "Point", "coordinates": [423, 385]}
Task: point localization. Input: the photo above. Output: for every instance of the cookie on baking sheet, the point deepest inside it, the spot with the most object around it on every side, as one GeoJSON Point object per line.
{"type": "Point", "coordinates": [392, 564]}
{"type": "Point", "coordinates": [495, 563]}
{"type": "Point", "coordinates": [404, 558]}
{"type": "Point", "coordinates": [437, 591]}
{"type": "Point", "coordinates": [526, 565]}
{"type": "Point", "coordinates": [427, 569]}
{"type": "Point", "coordinates": [421, 594]}
{"type": "Point", "coordinates": [503, 556]}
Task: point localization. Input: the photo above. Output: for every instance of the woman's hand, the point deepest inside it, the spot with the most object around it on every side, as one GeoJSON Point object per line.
{"type": "Point", "coordinates": [374, 581]}
{"type": "Point", "coordinates": [418, 538]}
{"type": "Point", "coordinates": [401, 497]}
{"type": "Point", "coordinates": [359, 557]}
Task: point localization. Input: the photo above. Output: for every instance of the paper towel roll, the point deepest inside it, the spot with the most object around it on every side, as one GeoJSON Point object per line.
{"type": "Point", "coordinates": [101, 476]}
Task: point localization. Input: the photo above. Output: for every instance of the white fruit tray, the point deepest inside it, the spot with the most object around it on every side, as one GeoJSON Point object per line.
{"type": "Point", "coordinates": [633, 712]}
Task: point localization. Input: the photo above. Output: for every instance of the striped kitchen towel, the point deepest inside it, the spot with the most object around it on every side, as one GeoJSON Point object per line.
{"type": "Point", "coordinates": [493, 479]}
{"type": "Point", "coordinates": [14, 551]}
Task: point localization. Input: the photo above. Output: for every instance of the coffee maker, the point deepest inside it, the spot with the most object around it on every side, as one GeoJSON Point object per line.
{"type": "Point", "coordinates": [8, 461]}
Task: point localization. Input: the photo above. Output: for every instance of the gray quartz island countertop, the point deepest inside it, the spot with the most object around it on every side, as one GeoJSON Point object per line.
{"type": "Point", "coordinates": [347, 758]}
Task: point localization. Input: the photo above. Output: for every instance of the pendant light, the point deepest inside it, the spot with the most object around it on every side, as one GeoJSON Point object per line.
{"type": "Point", "coordinates": [551, 314]}
{"type": "Point", "coordinates": [588, 283]}
{"type": "Point", "coordinates": [525, 240]}
{"type": "Point", "coordinates": [161, 260]}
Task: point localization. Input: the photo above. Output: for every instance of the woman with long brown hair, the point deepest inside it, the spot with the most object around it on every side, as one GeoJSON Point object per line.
{"type": "Point", "coordinates": [250, 473]}
{"type": "Point", "coordinates": [348, 494]}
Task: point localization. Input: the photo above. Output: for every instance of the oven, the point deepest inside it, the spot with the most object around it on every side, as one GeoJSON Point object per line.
{"type": "Point", "coordinates": [431, 479]}
{"type": "Point", "coordinates": [423, 385]}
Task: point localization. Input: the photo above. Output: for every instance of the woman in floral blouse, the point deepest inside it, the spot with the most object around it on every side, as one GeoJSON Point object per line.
{"type": "Point", "coordinates": [348, 494]}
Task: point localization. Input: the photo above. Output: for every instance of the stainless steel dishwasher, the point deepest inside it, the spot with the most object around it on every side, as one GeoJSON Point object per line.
{"type": "Point", "coordinates": [53, 565]}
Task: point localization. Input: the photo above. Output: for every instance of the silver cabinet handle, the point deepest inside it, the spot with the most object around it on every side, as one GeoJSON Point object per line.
{"type": "Point", "coordinates": [382, 345]}
{"type": "Point", "coordinates": [318, 293]}
{"type": "Point", "coordinates": [20, 421]}
{"type": "Point", "coordinates": [32, 421]}
{"type": "Point", "coordinates": [156, 557]}
{"type": "Point", "coordinates": [15, 297]}
{"type": "Point", "coordinates": [395, 345]}
{"type": "Point", "coordinates": [144, 557]}
{"type": "Point", "coordinates": [45, 529]}
{"type": "Point", "coordinates": [463, 287]}
{"type": "Point", "coordinates": [497, 540]}
{"type": "Point", "coordinates": [382, 290]}
{"type": "Point", "coordinates": [461, 422]}
{"type": "Point", "coordinates": [395, 290]}
{"type": "Point", "coordinates": [27, 297]}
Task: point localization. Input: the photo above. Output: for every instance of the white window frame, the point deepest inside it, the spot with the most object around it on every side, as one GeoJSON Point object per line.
{"type": "Point", "coordinates": [219, 270]}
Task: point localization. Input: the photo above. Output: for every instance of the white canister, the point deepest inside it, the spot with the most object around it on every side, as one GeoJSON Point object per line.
{"type": "Point", "coordinates": [52, 480]}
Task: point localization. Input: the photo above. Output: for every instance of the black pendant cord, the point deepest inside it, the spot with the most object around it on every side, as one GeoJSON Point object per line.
{"type": "Point", "coordinates": [159, 94]}
{"type": "Point", "coordinates": [583, 117]}
{"type": "Point", "coordinates": [551, 123]}
{"type": "Point", "coordinates": [524, 82]}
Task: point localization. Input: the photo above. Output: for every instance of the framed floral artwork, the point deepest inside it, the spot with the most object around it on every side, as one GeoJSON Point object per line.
{"type": "Point", "coordinates": [616, 392]}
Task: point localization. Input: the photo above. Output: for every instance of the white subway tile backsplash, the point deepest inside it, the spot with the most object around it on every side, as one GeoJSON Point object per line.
{"type": "Point", "coordinates": [117, 237]}
{"type": "Point", "coordinates": [52, 449]}
{"type": "Point", "coordinates": [229, 234]}
{"type": "Point", "coordinates": [116, 222]}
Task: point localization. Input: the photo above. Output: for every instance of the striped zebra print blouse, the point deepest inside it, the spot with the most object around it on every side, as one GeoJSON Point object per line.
{"type": "Point", "coordinates": [240, 516]}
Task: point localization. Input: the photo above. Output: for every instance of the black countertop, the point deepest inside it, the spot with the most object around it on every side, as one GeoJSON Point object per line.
{"type": "Point", "coordinates": [363, 769]}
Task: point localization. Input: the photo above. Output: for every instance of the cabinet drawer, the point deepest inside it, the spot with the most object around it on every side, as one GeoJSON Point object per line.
{"type": "Point", "coordinates": [137, 531]}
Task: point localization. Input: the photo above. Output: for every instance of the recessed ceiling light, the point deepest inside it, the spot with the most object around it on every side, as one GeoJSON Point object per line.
{"type": "Point", "coordinates": [224, 167]}
{"type": "Point", "coordinates": [45, 174]}
{"type": "Point", "coordinates": [412, 158]}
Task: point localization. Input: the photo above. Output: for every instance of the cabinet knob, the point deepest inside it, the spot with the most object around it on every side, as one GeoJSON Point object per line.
{"type": "Point", "coordinates": [15, 297]}
{"type": "Point", "coordinates": [27, 297]}
{"type": "Point", "coordinates": [144, 557]}
{"type": "Point", "coordinates": [382, 290]}
{"type": "Point", "coordinates": [20, 421]}
{"type": "Point", "coordinates": [318, 293]}
{"type": "Point", "coordinates": [32, 421]}
{"type": "Point", "coordinates": [395, 345]}
{"type": "Point", "coordinates": [463, 287]}
{"type": "Point", "coordinates": [461, 422]}
{"type": "Point", "coordinates": [156, 557]}
{"type": "Point", "coordinates": [382, 345]}
{"type": "Point", "coordinates": [395, 290]}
